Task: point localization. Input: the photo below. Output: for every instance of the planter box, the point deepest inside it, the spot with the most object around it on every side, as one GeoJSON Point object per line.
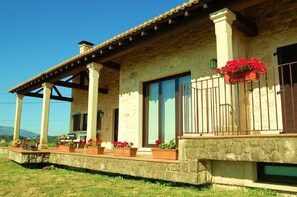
{"type": "Point", "coordinates": [241, 77]}
{"type": "Point", "coordinates": [67, 149]}
{"type": "Point", "coordinates": [95, 150]}
{"type": "Point", "coordinates": [124, 152]}
{"type": "Point", "coordinates": [170, 154]}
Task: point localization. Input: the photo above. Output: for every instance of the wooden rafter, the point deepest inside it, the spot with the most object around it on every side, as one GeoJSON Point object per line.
{"type": "Point", "coordinates": [59, 98]}
{"type": "Point", "coordinates": [79, 86]}
{"type": "Point", "coordinates": [245, 25]}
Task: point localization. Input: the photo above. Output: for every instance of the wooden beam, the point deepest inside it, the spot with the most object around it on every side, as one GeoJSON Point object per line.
{"type": "Point", "coordinates": [79, 86]}
{"type": "Point", "coordinates": [245, 25]}
{"type": "Point", "coordinates": [59, 98]}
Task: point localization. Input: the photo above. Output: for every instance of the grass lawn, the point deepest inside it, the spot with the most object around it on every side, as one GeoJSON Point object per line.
{"type": "Point", "coordinates": [16, 180]}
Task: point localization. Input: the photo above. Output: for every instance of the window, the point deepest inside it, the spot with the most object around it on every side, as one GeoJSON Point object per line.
{"type": "Point", "coordinates": [280, 173]}
{"type": "Point", "coordinates": [99, 117]}
{"type": "Point", "coordinates": [76, 122]}
{"type": "Point", "coordinates": [85, 122]}
{"type": "Point", "coordinates": [161, 108]}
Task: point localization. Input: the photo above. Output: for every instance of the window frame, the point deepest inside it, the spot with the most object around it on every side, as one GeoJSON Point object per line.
{"type": "Point", "coordinates": [145, 104]}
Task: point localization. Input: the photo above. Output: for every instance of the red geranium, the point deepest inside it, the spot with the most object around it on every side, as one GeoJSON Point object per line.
{"type": "Point", "coordinates": [123, 144]}
{"type": "Point", "coordinates": [241, 65]}
{"type": "Point", "coordinates": [158, 142]}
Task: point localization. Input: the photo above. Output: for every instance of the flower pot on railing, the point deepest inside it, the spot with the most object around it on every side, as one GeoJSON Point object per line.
{"type": "Point", "coordinates": [241, 77]}
{"type": "Point", "coordinates": [242, 70]}
{"type": "Point", "coordinates": [95, 150]}
{"type": "Point", "coordinates": [170, 154]}
{"type": "Point", "coordinates": [124, 152]}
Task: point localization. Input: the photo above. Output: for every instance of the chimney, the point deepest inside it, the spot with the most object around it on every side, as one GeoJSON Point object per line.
{"type": "Point", "coordinates": [85, 46]}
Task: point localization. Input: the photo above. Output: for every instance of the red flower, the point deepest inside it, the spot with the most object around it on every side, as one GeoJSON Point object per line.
{"type": "Point", "coordinates": [99, 141]}
{"type": "Point", "coordinates": [158, 142]}
{"type": "Point", "coordinates": [238, 66]}
{"type": "Point", "coordinates": [90, 140]}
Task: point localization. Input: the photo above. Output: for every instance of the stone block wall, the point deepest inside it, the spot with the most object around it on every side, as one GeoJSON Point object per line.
{"type": "Point", "coordinates": [274, 149]}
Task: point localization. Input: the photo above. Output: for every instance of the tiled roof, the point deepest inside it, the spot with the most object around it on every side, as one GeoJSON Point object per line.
{"type": "Point", "coordinates": [151, 23]}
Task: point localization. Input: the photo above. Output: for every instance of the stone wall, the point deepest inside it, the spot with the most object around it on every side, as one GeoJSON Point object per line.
{"type": "Point", "coordinates": [169, 171]}
{"type": "Point", "coordinates": [192, 172]}
{"type": "Point", "coordinates": [273, 149]}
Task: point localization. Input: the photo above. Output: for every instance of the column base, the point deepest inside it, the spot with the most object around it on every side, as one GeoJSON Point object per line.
{"type": "Point", "coordinates": [42, 146]}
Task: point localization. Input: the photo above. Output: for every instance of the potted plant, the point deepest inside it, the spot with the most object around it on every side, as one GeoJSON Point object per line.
{"type": "Point", "coordinates": [165, 150]}
{"type": "Point", "coordinates": [67, 147]}
{"type": "Point", "coordinates": [15, 143]}
{"type": "Point", "coordinates": [242, 70]}
{"type": "Point", "coordinates": [124, 149]}
{"type": "Point", "coordinates": [57, 142]}
{"type": "Point", "coordinates": [94, 148]}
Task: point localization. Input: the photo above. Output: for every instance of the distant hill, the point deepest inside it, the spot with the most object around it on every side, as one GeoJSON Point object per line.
{"type": "Point", "coordinates": [9, 131]}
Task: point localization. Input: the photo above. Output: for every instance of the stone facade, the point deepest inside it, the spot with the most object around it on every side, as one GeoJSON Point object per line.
{"type": "Point", "coordinates": [191, 50]}
{"type": "Point", "coordinates": [233, 160]}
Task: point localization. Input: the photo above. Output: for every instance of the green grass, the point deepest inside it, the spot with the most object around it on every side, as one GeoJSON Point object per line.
{"type": "Point", "coordinates": [16, 180]}
{"type": "Point", "coordinates": [5, 144]}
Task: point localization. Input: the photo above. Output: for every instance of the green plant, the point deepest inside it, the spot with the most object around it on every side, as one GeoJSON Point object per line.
{"type": "Point", "coordinates": [70, 143]}
{"type": "Point", "coordinates": [170, 145]}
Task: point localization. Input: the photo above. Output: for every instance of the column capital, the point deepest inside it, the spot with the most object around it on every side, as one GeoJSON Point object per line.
{"type": "Point", "coordinates": [19, 96]}
{"type": "Point", "coordinates": [223, 15]}
{"type": "Point", "coordinates": [94, 66]}
{"type": "Point", "coordinates": [47, 85]}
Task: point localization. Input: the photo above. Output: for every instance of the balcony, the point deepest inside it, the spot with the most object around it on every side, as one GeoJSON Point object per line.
{"type": "Point", "coordinates": [266, 106]}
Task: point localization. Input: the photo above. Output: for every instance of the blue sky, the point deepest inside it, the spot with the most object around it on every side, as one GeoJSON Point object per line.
{"type": "Point", "coordinates": [38, 34]}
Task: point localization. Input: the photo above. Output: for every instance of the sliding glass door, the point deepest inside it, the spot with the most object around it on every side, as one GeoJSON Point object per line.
{"type": "Point", "coordinates": [161, 108]}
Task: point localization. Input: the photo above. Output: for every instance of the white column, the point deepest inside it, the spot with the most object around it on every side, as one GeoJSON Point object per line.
{"type": "Point", "coordinates": [17, 119]}
{"type": "Point", "coordinates": [45, 115]}
{"type": "Point", "coordinates": [94, 70]}
{"type": "Point", "coordinates": [223, 28]}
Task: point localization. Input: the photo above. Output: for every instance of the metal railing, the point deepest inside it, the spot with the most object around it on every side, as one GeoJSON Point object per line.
{"type": "Point", "coordinates": [268, 105]}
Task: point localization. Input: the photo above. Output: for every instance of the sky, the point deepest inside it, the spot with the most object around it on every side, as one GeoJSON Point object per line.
{"type": "Point", "coordinates": [35, 35]}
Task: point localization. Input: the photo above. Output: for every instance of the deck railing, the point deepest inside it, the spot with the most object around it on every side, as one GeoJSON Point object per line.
{"type": "Point", "coordinates": [268, 105]}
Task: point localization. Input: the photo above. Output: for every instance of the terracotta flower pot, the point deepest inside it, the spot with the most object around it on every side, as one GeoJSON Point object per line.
{"type": "Point", "coordinates": [124, 152]}
{"type": "Point", "coordinates": [241, 77]}
{"type": "Point", "coordinates": [67, 149]}
{"type": "Point", "coordinates": [170, 154]}
{"type": "Point", "coordinates": [96, 150]}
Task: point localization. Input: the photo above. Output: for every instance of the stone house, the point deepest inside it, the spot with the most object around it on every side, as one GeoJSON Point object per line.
{"type": "Point", "coordinates": [158, 81]}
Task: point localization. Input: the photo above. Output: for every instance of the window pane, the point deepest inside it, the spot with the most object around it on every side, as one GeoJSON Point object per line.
{"type": "Point", "coordinates": [168, 110]}
{"type": "Point", "coordinates": [152, 112]}
{"type": "Point", "coordinates": [76, 122]}
{"type": "Point", "coordinates": [281, 170]}
{"type": "Point", "coordinates": [85, 121]}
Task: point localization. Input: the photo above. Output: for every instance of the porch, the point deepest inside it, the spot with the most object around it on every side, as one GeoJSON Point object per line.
{"type": "Point", "coordinates": [231, 160]}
